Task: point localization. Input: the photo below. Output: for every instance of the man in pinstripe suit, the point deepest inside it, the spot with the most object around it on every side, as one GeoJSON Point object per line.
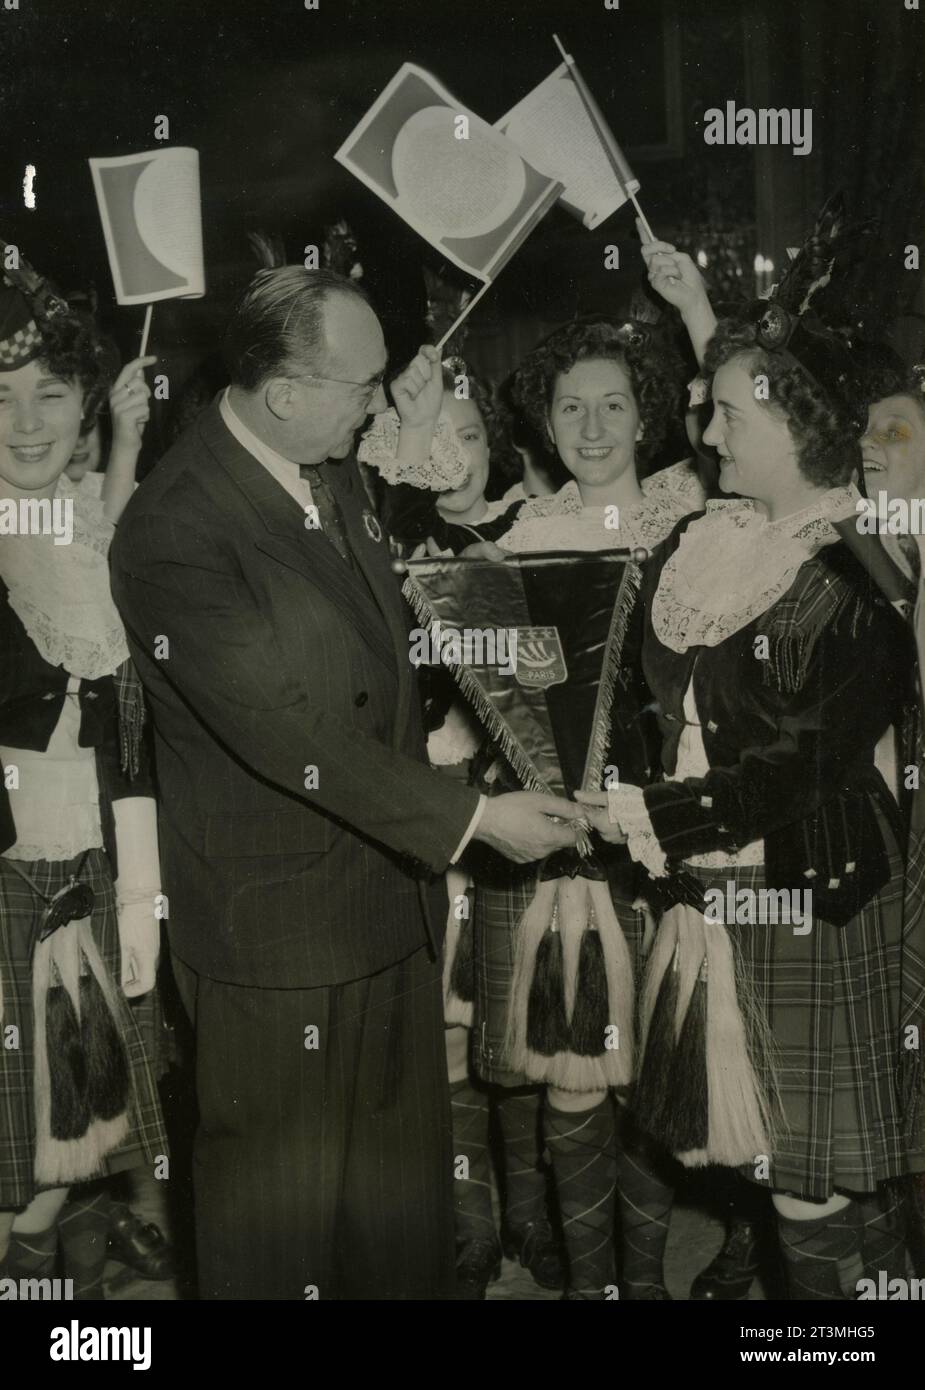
{"type": "Point", "coordinates": [301, 831]}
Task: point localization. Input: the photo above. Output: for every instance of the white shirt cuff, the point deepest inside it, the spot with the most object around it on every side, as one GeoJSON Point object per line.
{"type": "Point", "coordinates": [470, 830]}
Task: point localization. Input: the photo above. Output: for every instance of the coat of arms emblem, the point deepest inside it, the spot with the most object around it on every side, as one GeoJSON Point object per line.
{"type": "Point", "coordinates": [540, 660]}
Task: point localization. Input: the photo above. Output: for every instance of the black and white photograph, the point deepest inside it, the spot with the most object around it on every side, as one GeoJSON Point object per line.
{"type": "Point", "coordinates": [462, 522]}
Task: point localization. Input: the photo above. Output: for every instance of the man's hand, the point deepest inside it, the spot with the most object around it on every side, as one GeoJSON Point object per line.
{"type": "Point", "coordinates": [520, 825]}
{"type": "Point", "coordinates": [418, 390]}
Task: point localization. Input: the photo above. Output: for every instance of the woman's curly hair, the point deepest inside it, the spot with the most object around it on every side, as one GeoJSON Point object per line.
{"type": "Point", "coordinates": [882, 372]}
{"type": "Point", "coordinates": [520, 434]}
{"type": "Point", "coordinates": [825, 435]}
{"type": "Point", "coordinates": [654, 368]}
{"type": "Point", "coordinates": [73, 350]}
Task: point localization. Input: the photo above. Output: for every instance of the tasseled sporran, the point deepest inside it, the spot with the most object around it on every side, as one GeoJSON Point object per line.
{"type": "Point", "coordinates": [698, 1091]}
{"type": "Point", "coordinates": [81, 1083]}
{"type": "Point", "coordinates": [570, 1017]}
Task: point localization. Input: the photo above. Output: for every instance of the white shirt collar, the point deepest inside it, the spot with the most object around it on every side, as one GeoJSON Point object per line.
{"type": "Point", "coordinates": [283, 470]}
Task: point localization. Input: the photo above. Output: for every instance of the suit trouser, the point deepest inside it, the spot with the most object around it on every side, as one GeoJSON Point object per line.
{"type": "Point", "coordinates": [323, 1160]}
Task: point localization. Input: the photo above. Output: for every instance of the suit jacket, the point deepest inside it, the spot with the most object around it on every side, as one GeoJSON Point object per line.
{"type": "Point", "coordinates": [790, 740]}
{"type": "Point", "coordinates": [279, 659]}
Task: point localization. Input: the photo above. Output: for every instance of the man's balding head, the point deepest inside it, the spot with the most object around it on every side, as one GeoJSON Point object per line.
{"type": "Point", "coordinates": [306, 356]}
{"type": "Point", "coordinates": [279, 324]}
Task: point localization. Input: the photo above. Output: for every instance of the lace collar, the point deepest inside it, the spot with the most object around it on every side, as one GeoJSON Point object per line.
{"type": "Point", "coordinates": [732, 564]}
{"type": "Point", "coordinates": [445, 468]}
{"type": "Point", "coordinates": [563, 522]}
{"type": "Point", "coordinates": [60, 593]}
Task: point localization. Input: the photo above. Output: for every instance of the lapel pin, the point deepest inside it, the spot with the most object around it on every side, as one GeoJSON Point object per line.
{"type": "Point", "coordinates": [373, 529]}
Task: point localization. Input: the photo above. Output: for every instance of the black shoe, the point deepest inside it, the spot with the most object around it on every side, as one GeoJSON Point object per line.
{"type": "Point", "coordinates": [139, 1244]}
{"type": "Point", "coordinates": [538, 1251]}
{"type": "Point", "coordinates": [731, 1273]}
{"type": "Point", "coordinates": [478, 1264]}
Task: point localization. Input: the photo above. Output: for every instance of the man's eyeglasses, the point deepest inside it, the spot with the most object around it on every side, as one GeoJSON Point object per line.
{"type": "Point", "coordinates": [368, 388]}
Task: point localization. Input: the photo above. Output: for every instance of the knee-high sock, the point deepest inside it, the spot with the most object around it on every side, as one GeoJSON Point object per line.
{"type": "Point", "coordinates": [883, 1244]}
{"type": "Point", "coordinates": [813, 1251]}
{"type": "Point", "coordinates": [84, 1229]}
{"type": "Point", "coordinates": [471, 1194]}
{"type": "Point", "coordinates": [31, 1255]}
{"type": "Point", "coordinates": [518, 1115]}
{"type": "Point", "coordinates": [645, 1213]}
{"type": "Point", "coordinates": [583, 1149]}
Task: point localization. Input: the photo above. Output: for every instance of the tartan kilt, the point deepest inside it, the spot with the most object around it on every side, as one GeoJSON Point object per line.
{"type": "Point", "coordinates": [20, 915]}
{"type": "Point", "coordinates": [502, 893]}
{"type": "Point", "coordinates": [912, 1015]}
{"type": "Point", "coordinates": [833, 1002]}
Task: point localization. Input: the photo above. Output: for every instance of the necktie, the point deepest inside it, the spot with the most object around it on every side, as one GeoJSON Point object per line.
{"type": "Point", "coordinates": [329, 512]}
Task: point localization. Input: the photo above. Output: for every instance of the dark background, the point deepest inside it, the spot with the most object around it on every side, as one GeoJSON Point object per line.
{"type": "Point", "coordinates": [267, 92]}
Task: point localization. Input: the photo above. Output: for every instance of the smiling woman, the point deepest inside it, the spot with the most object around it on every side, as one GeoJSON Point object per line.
{"type": "Point", "coordinates": [45, 400]}
{"type": "Point", "coordinates": [603, 393]}
{"type": "Point", "coordinates": [893, 443]}
{"type": "Point", "coordinates": [780, 435]}
{"type": "Point", "coordinates": [40, 418]}
{"type": "Point", "coordinates": [77, 1097]}
{"type": "Point", "coordinates": [777, 666]}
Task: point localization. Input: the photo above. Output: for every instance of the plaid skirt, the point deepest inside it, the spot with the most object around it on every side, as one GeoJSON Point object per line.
{"type": "Point", "coordinates": [912, 1006]}
{"type": "Point", "coordinates": [502, 894]}
{"type": "Point", "coordinates": [20, 915]}
{"type": "Point", "coordinates": [835, 1001]}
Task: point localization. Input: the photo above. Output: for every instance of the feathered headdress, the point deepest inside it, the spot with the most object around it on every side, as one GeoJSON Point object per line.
{"type": "Point", "coordinates": [788, 324]}
{"type": "Point", "coordinates": [28, 301]}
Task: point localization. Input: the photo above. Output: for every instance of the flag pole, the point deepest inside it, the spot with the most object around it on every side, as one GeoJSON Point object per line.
{"type": "Point", "coordinates": [538, 560]}
{"type": "Point", "coordinates": [146, 330]}
{"type": "Point", "coordinates": [469, 307]}
{"type": "Point", "coordinates": [601, 131]}
{"type": "Point", "coordinates": [642, 217]}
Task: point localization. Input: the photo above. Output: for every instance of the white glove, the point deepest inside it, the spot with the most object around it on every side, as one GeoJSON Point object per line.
{"type": "Point", "coordinates": [140, 944]}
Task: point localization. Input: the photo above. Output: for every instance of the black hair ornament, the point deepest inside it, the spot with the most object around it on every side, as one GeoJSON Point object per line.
{"type": "Point", "coordinates": [47, 303]}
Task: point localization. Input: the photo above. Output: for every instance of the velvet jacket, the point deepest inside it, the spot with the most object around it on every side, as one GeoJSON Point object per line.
{"type": "Point", "coordinates": [32, 695]}
{"type": "Point", "coordinates": [410, 515]}
{"type": "Point", "coordinates": [789, 739]}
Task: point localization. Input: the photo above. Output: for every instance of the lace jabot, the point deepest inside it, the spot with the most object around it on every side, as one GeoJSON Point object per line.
{"type": "Point", "coordinates": [446, 468]}
{"type": "Point", "coordinates": [60, 593]}
{"type": "Point", "coordinates": [563, 522]}
{"type": "Point", "coordinates": [732, 564]}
